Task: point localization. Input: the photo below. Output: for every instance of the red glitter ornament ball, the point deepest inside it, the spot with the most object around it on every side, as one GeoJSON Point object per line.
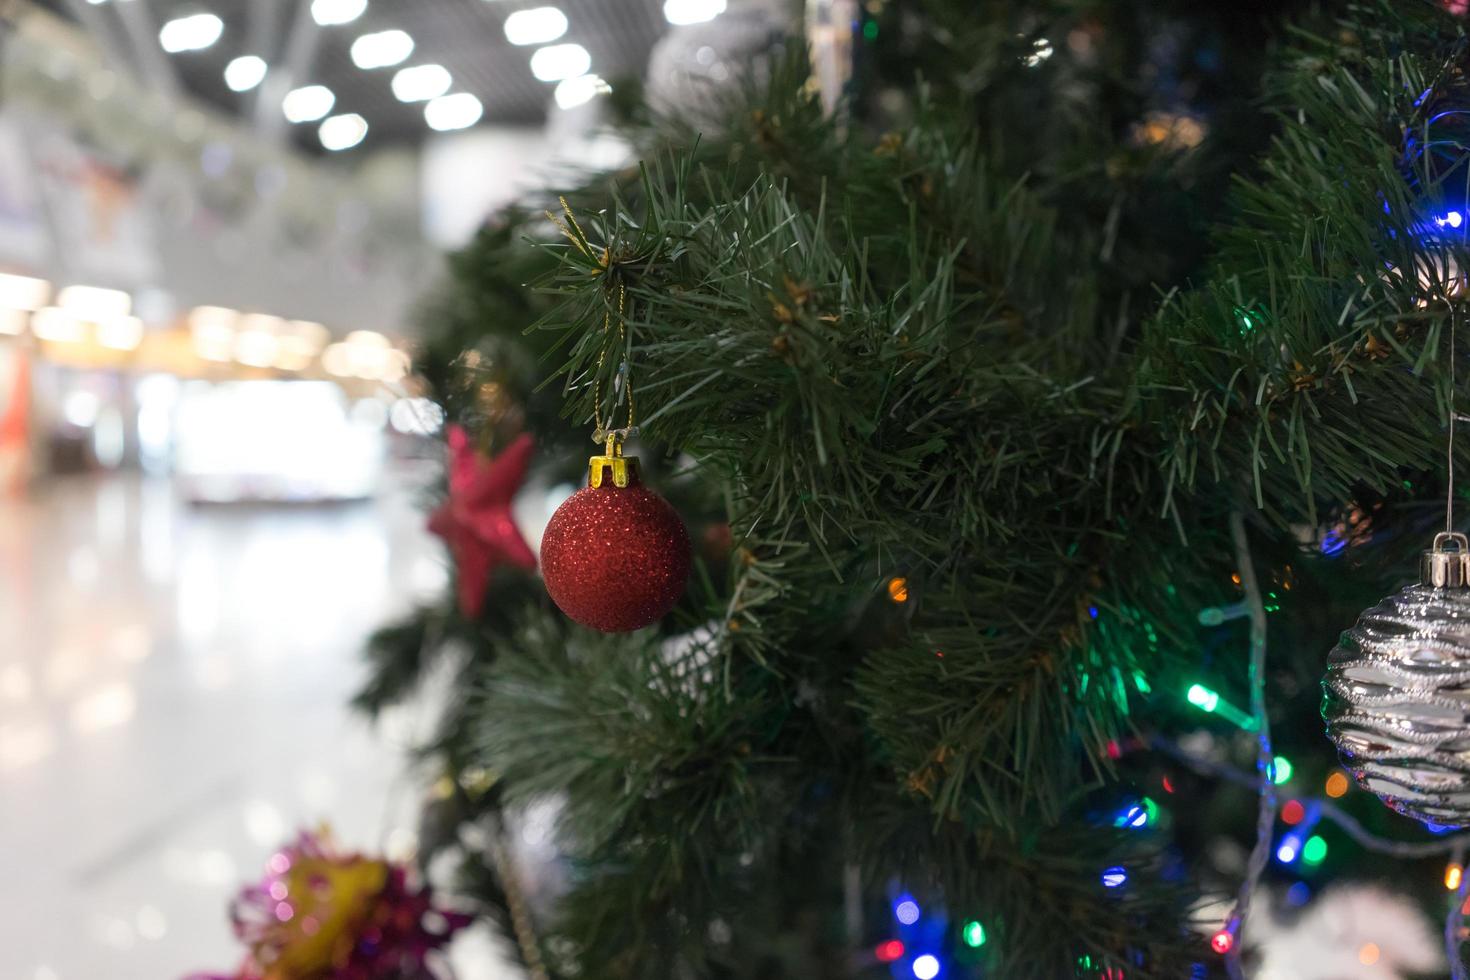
{"type": "Point", "coordinates": [615, 558]}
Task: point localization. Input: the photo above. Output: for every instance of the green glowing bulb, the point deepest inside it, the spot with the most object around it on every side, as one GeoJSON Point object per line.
{"type": "Point", "coordinates": [1203, 698]}
{"type": "Point", "coordinates": [974, 934]}
{"type": "Point", "coordinates": [870, 30]}
{"type": "Point", "coordinates": [1280, 769]}
{"type": "Point", "coordinates": [1314, 851]}
{"type": "Point", "coordinates": [1152, 809]}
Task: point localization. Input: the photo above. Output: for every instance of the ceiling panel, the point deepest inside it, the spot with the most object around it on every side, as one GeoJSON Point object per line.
{"type": "Point", "coordinates": [465, 36]}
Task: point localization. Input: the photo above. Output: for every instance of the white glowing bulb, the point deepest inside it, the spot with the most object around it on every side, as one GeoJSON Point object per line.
{"type": "Point", "coordinates": [559, 61]}
{"type": "Point", "coordinates": [421, 83]}
{"type": "Point", "coordinates": [308, 104]}
{"type": "Point", "coordinates": [245, 72]}
{"type": "Point", "coordinates": [329, 13]}
{"type": "Point", "coordinates": [535, 26]}
{"type": "Point", "coordinates": [93, 303]}
{"type": "Point", "coordinates": [23, 292]}
{"type": "Point", "coordinates": [193, 33]}
{"type": "Point", "coordinates": [381, 50]}
{"type": "Point", "coordinates": [458, 111]}
{"type": "Point", "coordinates": [122, 333]}
{"type": "Point", "coordinates": [343, 132]}
{"type": "Point", "coordinates": [572, 92]}
{"type": "Point", "coordinates": [681, 12]}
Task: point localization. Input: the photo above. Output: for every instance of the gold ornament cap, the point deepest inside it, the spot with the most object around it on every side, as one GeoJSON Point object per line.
{"type": "Point", "coordinates": [1442, 568]}
{"type": "Point", "coordinates": [624, 469]}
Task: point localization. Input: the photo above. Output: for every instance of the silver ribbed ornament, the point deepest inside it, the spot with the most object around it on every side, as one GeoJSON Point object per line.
{"type": "Point", "coordinates": [1397, 692]}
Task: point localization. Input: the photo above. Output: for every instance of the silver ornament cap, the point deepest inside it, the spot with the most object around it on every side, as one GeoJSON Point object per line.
{"type": "Point", "coordinates": [1396, 697]}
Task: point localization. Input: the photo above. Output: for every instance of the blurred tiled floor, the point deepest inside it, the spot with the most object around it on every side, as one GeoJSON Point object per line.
{"type": "Point", "coordinates": [173, 683]}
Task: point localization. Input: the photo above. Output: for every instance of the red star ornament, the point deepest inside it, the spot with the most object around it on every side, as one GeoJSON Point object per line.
{"type": "Point", "coordinates": [476, 520]}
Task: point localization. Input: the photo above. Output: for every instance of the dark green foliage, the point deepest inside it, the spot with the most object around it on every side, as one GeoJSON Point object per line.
{"type": "Point", "coordinates": [1004, 362]}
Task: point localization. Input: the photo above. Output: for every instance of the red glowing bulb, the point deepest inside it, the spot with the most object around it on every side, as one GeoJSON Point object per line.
{"type": "Point", "coordinates": [1222, 941]}
{"type": "Point", "coordinates": [1293, 813]}
{"type": "Point", "coordinates": [889, 951]}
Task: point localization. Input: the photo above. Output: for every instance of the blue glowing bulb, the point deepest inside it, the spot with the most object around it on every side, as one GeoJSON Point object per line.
{"type": "Point", "coordinates": [1115, 877]}
{"type": "Point", "coordinates": [1452, 218]}
{"type": "Point", "coordinates": [1297, 894]}
{"type": "Point", "coordinates": [926, 967]}
{"type": "Point", "coordinates": [906, 911]}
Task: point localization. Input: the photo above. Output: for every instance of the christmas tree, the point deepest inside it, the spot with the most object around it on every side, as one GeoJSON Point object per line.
{"type": "Point", "coordinates": [1040, 416]}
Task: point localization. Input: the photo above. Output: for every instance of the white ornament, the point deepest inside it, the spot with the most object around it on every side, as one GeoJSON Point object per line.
{"type": "Point", "coordinates": [1357, 931]}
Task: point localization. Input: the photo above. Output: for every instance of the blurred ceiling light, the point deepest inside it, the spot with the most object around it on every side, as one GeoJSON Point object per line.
{"type": "Point", "coordinates": [214, 344]}
{"type": "Point", "coordinates": [13, 322]}
{"type": "Point", "coordinates": [308, 104]}
{"type": "Point", "coordinates": [369, 338]}
{"type": "Point", "coordinates": [193, 33]}
{"type": "Point", "coordinates": [449, 112]}
{"type": "Point", "coordinates": [107, 708]}
{"type": "Point", "coordinates": [261, 321]}
{"type": "Point", "coordinates": [329, 13]}
{"type": "Point", "coordinates": [23, 292]}
{"type": "Point", "coordinates": [314, 334]}
{"type": "Point", "coordinates": [572, 92]}
{"type": "Point", "coordinates": [337, 360]}
{"type": "Point", "coordinates": [56, 325]}
{"type": "Point", "coordinates": [535, 26]}
{"type": "Point", "coordinates": [559, 61]}
{"type": "Point", "coordinates": [93, 303]}
{"type": "Point", "coordinates": [343, 132]}
{"type": "Point", "coordinates": [122, 333]}
{"type": "Point", "coordinates": [213, 316]}
{"type": "Point", "coordinates": [294, 353]}
{"type": "Point", "coordinates": [421, 83]}
{"type": "Point", "coordinates": [256, 348]}
{"type": "Point", "coordinates": [681, 12]}
{"type": "Point", "coordinates": [213, 328]}
{"type": "Point", "coordinates": [381, 50]}
{"type": "Point", "coordinates": [245, 72]}
{"type": "Point", "coordinates": [24, 745]}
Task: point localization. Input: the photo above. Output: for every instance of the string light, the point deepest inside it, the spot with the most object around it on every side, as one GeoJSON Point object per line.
{"type": "Point", "coordinates": [1452, 875]}
{"type": "Point", "coordinates": [1223, 941]}
{"type": "Point", "coordinates": [1115, 877]}
{"type": "Point", "coordinates": [926, 967]}
{"type": "Point", "coordinates": [1369, 954]}
{"type": "Point", "coordinates": [898, 589]}
{"type": "Point", "coordinates": [1210, 702]}
{"type": "Point", "coordinates": [1281, 770]}
{"type": "Point", "coordinates": [1138, 815]}
{"type": "Point", "coordinates": [1292, 813]}
{"type": "Point", "coordinates": [973, 934]}
{"type": "Point", "coordinates": [1203, 698]}
{"type": "Point", "coordinates": [1314, 851]}
{"type": "Point", "coordinates": [906, 911]}
{"type": "Point", "coordinates": [889, 951]}
{"type": "Point", "coordinates": [1337, 785]}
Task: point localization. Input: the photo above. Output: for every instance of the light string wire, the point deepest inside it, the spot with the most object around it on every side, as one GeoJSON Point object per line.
{"type": "Point", "coordinates": [1266, 786]}
{"type": "Point", "coordinates": [604, 432]}
{"type": "Point", "coordinates": [1455, 918]}
{"type": "Point", "coordinates": [1329, 809]}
